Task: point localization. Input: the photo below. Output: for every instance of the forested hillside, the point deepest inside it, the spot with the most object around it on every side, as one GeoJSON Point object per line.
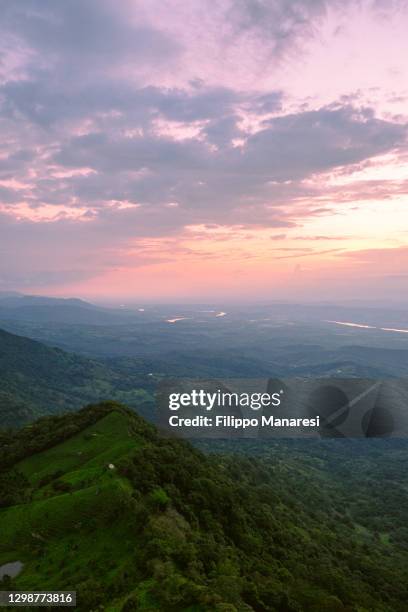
{"type": "Point", "coordinates": [36, 379]}
{"type": "Point", "coordinates": [100, 502]}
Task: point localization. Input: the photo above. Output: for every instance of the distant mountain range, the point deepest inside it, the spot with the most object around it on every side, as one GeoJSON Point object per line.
{"type": "Point", "coordinates": [16, 306]}
{"type": "Point", "coordinates": [15, 300]}
{"type": "Point", "coordinates": [41, 309]}
{"type": "Point", "coordinates": [113, 353]}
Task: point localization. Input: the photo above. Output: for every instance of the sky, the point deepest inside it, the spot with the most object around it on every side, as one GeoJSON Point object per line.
{"type": "Point", "coordinates": [165, 150]}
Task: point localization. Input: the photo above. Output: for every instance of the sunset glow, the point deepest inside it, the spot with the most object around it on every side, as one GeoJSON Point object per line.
{"type": "Point", "coordinates": [196, 151]}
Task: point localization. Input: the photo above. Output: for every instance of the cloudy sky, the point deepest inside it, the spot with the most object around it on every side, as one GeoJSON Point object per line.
{"type": "Point", "coordinates": [173, 150]}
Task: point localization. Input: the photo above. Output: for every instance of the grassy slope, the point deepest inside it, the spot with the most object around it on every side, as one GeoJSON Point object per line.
{"type": "Point", "coordinates": [52, 520]}
{"type": "Point", "coordinates": [170, 529]}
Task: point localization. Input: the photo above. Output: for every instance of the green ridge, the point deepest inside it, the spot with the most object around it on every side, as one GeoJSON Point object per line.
{"type": "Point", "coordinates": [99, 502]}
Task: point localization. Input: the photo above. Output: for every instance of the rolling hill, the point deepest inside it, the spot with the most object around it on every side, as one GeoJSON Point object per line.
{"type": "Point", "coordinates": [100, 502]}
{"type": "Point", "coordinates": [36, 379]}
{"type": "Point", "coordinates": [40, 309]}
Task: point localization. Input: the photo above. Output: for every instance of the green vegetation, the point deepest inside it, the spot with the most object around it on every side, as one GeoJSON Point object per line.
{"type": "Point", "coordinates": [37, 379]}
{"type": "Point", "coordinates": [100, 502]}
